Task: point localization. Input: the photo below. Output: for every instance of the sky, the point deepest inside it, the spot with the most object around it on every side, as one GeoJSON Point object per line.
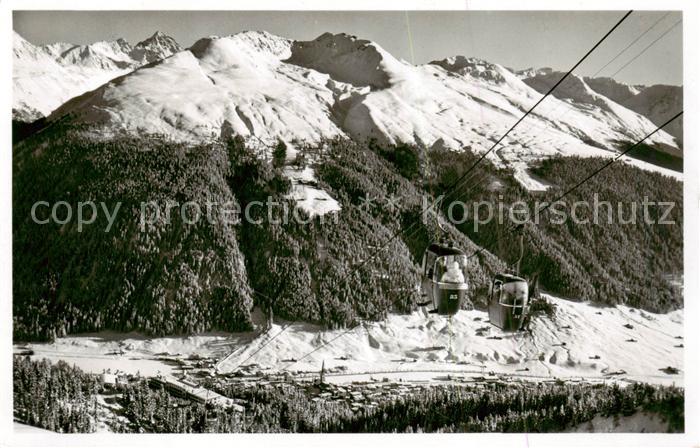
{"type": "Point", "coordinates": [515, 39]}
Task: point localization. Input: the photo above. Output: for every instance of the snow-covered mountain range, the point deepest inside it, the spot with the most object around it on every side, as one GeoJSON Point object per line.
{"type": "Point", "coordinates": [658, 103]}
{"type": "Point", "coordinates": [270, 88]}
{"type": "Point", "coordinates": [44, 77]}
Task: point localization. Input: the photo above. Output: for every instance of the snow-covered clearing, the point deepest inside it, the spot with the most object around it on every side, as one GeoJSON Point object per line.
{"type": "Point", "coordinates": [307, 195]}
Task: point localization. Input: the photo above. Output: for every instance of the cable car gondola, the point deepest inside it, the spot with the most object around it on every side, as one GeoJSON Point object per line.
{"type": "Point", "coordinates": [508, 302]}
{"type": "Point", "coordinates": [509, 298]}
{"type": "Point", "coordinates": [444, 283]}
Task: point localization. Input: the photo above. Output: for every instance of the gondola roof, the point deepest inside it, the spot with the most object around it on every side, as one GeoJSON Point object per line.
{"type": "Point", "coordinates": [442, 250]}
{"type": "Point", "coordinates": [508, 278]}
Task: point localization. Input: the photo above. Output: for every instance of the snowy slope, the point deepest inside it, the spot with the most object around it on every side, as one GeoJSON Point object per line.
{"type": "Point", "coordinates": [530, 72]}
{"type": "Point", "coordinates": [269, 88]}
{"type": "Point", "coordinates": [581, 341]}
{"type": "Point", "coordinates": [620, 120]}
{"type": "Point", "coordinates": [657, 103]}
{"type": "Point", "coordinates": [615, 90]}
{"type": "Point", "coordinates": [44, 77]}
{"type": "Point", "coordinates": [219, 86]}
{"type": "Point", "coordinates": [565, 347]}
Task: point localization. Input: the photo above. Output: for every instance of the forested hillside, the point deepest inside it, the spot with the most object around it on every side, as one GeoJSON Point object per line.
{"type": "Point", "coordinates": [174, 277]}
{"type": "Point", "coordinates": [613, 261]}
{"type": "Point", "coordinates": [56, 397]}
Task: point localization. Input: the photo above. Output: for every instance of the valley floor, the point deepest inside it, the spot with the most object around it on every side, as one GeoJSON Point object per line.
{"type": "Point", "coordinates": [582, 341]}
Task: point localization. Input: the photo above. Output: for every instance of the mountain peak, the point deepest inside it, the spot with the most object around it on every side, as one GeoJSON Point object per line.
{"type": "Point", "coordinates": [72, 69]}
{"type": "Point", "coordinates": [256, 83]}
{"type": "Point", "coordinates": [531, 72]}
{"type": "Point", "coordinates": [348, 59]}
{"type": "Point", "coordinates": [157, 37]}
{"type": "Point", "coordinates": [574, 87]}
{"type": "Point", "coordinates": [246, 49]}
{"type": "Point", "coordinates": [267, 42]}
{"type": "Point", "coordinates": [474, 67]}
{"type": "Point", "coordinates": [158, 46]}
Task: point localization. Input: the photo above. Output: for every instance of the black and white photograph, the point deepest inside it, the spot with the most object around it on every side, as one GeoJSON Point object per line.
{"type": "Point", "coordinates": [278, 218]}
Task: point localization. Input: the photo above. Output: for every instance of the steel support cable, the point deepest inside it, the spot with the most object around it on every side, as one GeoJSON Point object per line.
{"type": "Point", "coordinates": [561, 104]}
{"type": "Point", "coordinates": [459, 180]}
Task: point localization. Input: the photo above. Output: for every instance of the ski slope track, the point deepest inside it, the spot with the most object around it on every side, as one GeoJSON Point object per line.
{"type": "Point", "coordinates": [268, 88]}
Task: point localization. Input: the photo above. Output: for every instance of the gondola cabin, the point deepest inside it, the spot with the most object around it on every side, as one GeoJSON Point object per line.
{"type": "Point", "coordinates": [508, 302]}
{"type": "Point", "coordinates": [444, 278]}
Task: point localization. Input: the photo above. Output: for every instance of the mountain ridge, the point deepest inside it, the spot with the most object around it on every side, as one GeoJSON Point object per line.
{"type": "Point", "coordinates": [657, 102]}
{"type": "Point", "coordinates": [268, 88]}
{"type": "Point", "coordinates": [81, 68]}
{"type": "Point", "coordinates": [46, 76]}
